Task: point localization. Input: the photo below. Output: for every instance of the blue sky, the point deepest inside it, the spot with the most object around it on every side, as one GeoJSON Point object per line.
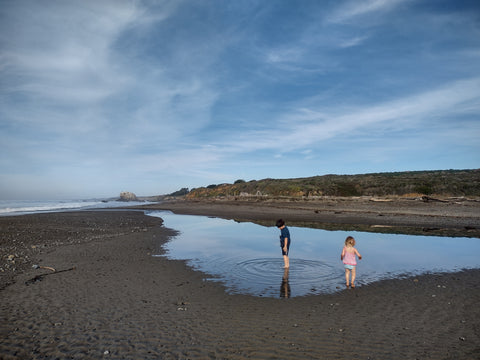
{"type": "Point", "coordinates": [98, 97]}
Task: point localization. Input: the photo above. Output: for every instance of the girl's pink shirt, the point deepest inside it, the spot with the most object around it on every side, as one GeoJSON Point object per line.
{"type": "Point", "coordinates": [349, 257]}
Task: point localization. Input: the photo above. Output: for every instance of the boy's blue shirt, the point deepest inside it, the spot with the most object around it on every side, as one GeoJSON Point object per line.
{"type": "Point", "coordinates": [284, 233]}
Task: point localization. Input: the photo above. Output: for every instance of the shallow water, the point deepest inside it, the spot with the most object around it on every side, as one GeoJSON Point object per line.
{"type": "Point", "coordinates": [247, 258]}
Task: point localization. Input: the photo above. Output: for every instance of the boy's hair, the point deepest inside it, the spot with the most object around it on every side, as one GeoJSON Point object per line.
{"type": "Point", "coordinates": [280, 223]}
{"type": "Point", "coordinates": [350, 241]}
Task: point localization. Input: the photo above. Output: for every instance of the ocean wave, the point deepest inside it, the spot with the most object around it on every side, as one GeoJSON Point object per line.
{"type": "Point", "coordinates": [21, 207]}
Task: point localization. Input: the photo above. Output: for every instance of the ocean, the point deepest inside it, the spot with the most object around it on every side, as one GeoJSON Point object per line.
{"type": "Point", "coordinates": [21, 207]}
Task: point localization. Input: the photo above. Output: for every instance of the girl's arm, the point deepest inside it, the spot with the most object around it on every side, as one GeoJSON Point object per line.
{"type": "Point", "coordinates": [358, 254]}
{"type": "Point", "coordinates": [343, 253]}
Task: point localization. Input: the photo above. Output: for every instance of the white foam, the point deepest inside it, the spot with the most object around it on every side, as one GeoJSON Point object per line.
{"type": "Point", "coordinates": [20, 207]}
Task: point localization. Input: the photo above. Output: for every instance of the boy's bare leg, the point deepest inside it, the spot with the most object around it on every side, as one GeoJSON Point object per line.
{"type": "Point", "coordinates": [286, 261]}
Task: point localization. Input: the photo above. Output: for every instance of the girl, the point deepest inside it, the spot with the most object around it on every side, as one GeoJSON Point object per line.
{"type": "Point", "coordinates": [349, 260]}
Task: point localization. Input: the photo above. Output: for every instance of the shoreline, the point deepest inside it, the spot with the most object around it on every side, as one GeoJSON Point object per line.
{"type": "Point", "coordinates": [120, 302]}
{"type": "Point", "coordinates": [406, 216]}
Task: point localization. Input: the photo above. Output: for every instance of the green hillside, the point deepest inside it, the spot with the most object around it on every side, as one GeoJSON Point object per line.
{"type": "Point", "coordinates": [438, 182]}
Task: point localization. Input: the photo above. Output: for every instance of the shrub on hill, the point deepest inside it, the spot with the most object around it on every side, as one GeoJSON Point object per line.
{"type": "Point", "coordinates": [437, 182]}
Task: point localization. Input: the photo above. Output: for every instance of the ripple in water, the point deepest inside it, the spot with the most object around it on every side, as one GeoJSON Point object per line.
{"type": "Point", "coordinates": [267, 277]}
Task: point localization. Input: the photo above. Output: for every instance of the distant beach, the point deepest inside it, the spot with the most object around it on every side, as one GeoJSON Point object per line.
{"type": "Point", "coordinates": [453, 217]}
{"type": "Point", "coordinates": [110, 298]}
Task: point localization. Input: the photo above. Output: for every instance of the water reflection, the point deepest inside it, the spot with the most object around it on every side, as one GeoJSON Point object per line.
{"type": "Point", "coordinates": [285, 286]}
{"type": "Point", "coordinates": [245, 257]}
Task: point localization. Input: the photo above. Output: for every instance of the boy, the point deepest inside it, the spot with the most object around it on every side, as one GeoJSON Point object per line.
{"type": "Point", "coordinates": [284, 241]}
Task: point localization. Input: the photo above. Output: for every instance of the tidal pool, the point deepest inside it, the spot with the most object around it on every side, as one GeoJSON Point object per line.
{"type": "Point", "coordinates": [247, 259]}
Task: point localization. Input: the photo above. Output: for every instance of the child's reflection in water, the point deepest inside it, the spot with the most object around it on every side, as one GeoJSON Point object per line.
{"type": "Point", "coordinates": [285, 287]}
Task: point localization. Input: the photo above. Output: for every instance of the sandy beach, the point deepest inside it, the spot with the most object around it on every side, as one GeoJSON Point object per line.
{"type": "Point", "coordinates": [109, 298]}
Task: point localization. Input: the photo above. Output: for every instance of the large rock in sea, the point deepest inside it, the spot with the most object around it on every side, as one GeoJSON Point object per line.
{"type": "Point", "coordinates": [127, 196]}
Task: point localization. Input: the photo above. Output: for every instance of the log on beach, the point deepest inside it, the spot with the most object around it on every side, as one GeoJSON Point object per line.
{"type": "Point", "coordinates": [121, 303]}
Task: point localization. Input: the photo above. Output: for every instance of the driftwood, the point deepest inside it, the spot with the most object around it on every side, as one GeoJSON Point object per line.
{"type": "Point", "coordinates": [40, 277]}
{"type": "Point", "coordinates": [426, 198]}
{"type": "Point", "coordinates": [44, 267]}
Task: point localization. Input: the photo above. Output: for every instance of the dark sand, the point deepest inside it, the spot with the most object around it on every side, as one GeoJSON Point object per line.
{"type": "Point", "coordinates": [122, 303]}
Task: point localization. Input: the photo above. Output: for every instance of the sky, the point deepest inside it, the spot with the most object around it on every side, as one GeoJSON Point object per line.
{"type": "Point", "coordinates": [99, 97]}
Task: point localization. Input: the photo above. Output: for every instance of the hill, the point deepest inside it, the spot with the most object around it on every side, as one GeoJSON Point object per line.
{"type": "Point", "coordinates": [430, 183]}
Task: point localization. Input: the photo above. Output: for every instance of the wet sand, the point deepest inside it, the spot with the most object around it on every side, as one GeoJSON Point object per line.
{"type": "Point", "coordinates": [122, 303]}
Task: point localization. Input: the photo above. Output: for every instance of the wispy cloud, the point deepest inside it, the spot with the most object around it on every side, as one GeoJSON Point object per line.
{"type": "Point", "coordinates": [353, 9]}
{"type": "Point", "coordinates": [354, 41]}
{"type": "Point", "coordinates": [64, 53]}
{"type": "Point", "coordinates": [306, 127]}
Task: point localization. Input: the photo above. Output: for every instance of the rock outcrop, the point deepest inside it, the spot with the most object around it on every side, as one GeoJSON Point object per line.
{"type": "Point", "coordinates": [127, 196]}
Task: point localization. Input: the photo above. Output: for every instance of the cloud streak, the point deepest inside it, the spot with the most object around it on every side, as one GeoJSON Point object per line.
{"type": "Point", "coordinates": [351, 10]}
{"type": "Point", "coordinates": [307, 126]}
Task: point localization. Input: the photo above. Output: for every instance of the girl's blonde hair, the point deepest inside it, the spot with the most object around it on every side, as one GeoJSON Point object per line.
{"type": "Point", "coordinates": [350, 241]}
